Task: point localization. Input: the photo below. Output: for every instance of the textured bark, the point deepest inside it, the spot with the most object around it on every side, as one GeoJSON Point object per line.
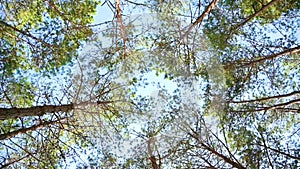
{"type": "Point", "coordinates": [155, 163]}
{"type": "Point", "coordinates": [11, 113]}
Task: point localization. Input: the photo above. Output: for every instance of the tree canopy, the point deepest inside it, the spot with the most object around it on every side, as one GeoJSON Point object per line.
{"type": "Point", "coordinates": [162, 84]}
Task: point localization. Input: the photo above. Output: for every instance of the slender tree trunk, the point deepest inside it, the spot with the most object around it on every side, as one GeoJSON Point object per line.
{"type": "Point", "coordinates": [12, 113]}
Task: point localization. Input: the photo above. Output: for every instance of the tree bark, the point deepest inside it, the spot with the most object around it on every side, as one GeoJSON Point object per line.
{"type": "Point", "coordinates": [11, 113]}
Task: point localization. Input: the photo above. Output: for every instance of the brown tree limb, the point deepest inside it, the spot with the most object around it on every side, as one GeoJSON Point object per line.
{"type": "Point", "coordinates": [24, 130]}
{"type": "Point", "coordinates": [226, 159]}
{"type": "Point", "coordinates": [56, 10]}
{"type": "Point", "coordinates": [32, 154]}
{"type": "Point", "coordinates": [12, 161]}
{"type": "Point", "coordinates": [120, 21]}
{"type": "Point", "coordinates": [262, 59]}
{"type": "Point", "coordinates": [266, 150]}
{"type": "Point", "coordinates": [62, 15]}
{"type": "Point", "coordinates": [276, 106]}
{"type": "Point", "coordinates": [11, 113]}
{"type": "Point", "coordinates": [264, 7]}
{"type": "Point", "coordinates": [281, 152]}
{"type": "Point", "coordinates": [154, 163]}
{"type": "Point", "coordinates": [279, 105]}
{"type": "Point", "coordinates": [199, 20]}
{"type": "Point", "coordinates": [214, 152]}
{"type": "Point", "coordinates": [266, 98]}
{"type": "Point", "coordinates": [290, 51]}
{"type": "Point", "coordinates": [136, 3]}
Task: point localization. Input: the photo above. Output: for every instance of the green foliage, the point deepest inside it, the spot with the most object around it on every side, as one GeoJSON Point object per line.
{"type": "Point", "coordinates": [43, 35]}
{"type": "Point", "coordinates": [225, 24]}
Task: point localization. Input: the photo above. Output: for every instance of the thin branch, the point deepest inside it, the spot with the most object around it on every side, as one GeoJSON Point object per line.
{"type": "Point", "coordinates": [281, 152]}
{"type": "Point", "coordinates": [265, 145]}
{"type": "Point", "coordinates": [12, 161]}
{"type": "Point", "coordinates": [57, 11]}
{"type": "Point", "coordinates": [274, 107]}
{"type": "Point", "coordinates": [226, 147]}
{"type": "Point", "coordinates": [136, 3]}
{"type": "Point", "coordinates": [290, 51]}
{"type": "Point", "coordinates": [25, 150]}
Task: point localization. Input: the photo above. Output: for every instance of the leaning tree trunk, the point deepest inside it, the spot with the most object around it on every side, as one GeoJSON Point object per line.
{"type": "Point", "coordinates": [12, 113]}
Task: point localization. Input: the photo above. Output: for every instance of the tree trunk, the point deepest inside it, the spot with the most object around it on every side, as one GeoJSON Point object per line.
{"type": "Point", "coordinates": [12, 113]}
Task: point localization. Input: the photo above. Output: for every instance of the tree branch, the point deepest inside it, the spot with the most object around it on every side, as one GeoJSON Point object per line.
{"type": "Point", "coordinates": [265, 7]}
{"type": "Point", "coordinates": [199, 20]}
{"type": "Point", "coordinates": [122, 27]}
{"type": "Point", "coordinates": [266, 98]}
{"type": "Point", "coordinates": [214, 152]}
{"type": "Point", "coordinates": [290, 51]}
{"type": "Point", "coordinates": [25, 33]}
{"type": "Point", "coordinates": [24, 130]}
{"type": "Point", "coordinates": [10, 113]}
{"type": "Point", "coordinates": [276, 106]}
{"type": "Point", "coordinates": [262, 59]}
